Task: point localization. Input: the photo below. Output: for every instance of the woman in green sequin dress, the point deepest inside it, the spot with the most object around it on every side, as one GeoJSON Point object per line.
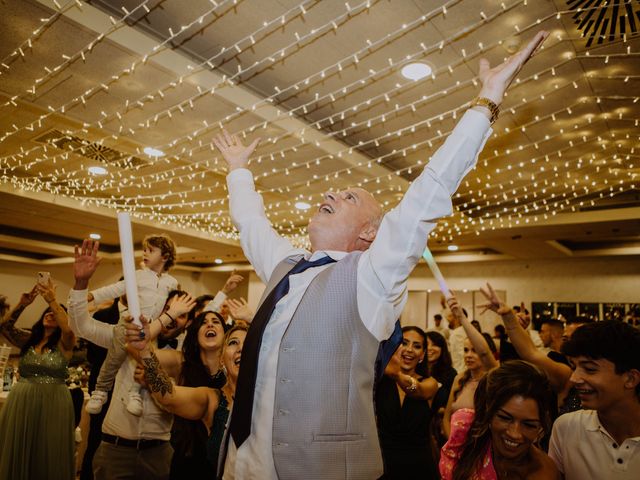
{"type": "Point", "coordinates": [37, 422]}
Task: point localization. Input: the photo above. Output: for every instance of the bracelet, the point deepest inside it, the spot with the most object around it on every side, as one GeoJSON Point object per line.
{"type": "Point", "coordinates": [413, 387]}
{"type": "Point", "coordinates": [489, 104]}
{"type": "Point", "coordinates": [172, 323]}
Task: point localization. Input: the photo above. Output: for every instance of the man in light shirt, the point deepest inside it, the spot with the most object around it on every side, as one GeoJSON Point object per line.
{"type": "Point", "coordinates": [303, 406]}
{"type": "Point", "coordinates": [439, 326]}
{"type": "Point", "coordinates": [602, 441]}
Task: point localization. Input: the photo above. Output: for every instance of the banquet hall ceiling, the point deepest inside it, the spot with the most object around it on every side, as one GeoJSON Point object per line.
{"type": "Point", "coordinates": [91, 84]}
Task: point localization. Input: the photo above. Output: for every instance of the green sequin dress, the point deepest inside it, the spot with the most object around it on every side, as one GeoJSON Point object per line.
{"type": "Point", "coordinates": [37, 422]}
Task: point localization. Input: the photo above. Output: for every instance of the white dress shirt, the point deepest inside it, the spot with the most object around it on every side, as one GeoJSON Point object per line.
{"type": "Point", "coordinates": [383, 271]}
{"type": "Point", "coordinates": [155, 423]}
{"type": "Point", "coordinates": [582, 449]}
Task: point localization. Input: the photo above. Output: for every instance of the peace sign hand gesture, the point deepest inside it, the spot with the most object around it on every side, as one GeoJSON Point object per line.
{"type": "Point", "coordinates": [495, 304]}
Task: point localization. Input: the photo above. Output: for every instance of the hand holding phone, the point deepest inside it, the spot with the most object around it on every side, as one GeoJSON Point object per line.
{"type": "Point", "coordinates": [43, 278]}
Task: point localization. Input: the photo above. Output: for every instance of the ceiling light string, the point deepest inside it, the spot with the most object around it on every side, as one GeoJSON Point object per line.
{"type": "Point", "coordinates": [438, 117]}
{"type": "Point", "coordinates": [547, 179]}
{"type": "Point", "coordinates": [128, 105]}
{"type": "Point", "coordinates": [102, 85]}
{"type": "Point", "coordinates": [338, 93]}
{"type": "Point", "coordinates": [27, 45]}
{"type": "Point", "coordinates": [167, 112]}
{"type": "Point", "coordinates": [210, 144]}
{"type": "Point", "coordinates": [306, 183]}
{"type": "Point", "coordinates": [293, 148]}
{"type": "Point", "coordinates": [68, 60]}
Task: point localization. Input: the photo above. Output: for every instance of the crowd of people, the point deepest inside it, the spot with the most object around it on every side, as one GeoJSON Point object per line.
{"type": "Point", "coordinates": [205, 388]}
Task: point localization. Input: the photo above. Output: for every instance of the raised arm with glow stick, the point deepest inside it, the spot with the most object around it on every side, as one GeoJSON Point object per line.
{"type": "Point", "coordinates": [433, 266]}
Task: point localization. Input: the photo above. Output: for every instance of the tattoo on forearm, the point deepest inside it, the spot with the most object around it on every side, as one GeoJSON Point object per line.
{"type": "Point", "coordinates": [17, 336]}
{"type": "Point", "coordinates": [157, 379]}
{"type": "Point", "coordinates": [15, 314]}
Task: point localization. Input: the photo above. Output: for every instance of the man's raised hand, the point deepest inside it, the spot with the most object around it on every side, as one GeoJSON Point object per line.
{"type": "Point", "coordinates": [234, 152]}
{"type": "Point", "coordinates": [85, 263]}
{"type": "Point", "coordinates": [496, 80]}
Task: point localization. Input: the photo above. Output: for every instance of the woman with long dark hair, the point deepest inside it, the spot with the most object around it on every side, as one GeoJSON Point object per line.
{"type": "Point", "coordinates": [497, 439]}
{"type": "Point", "coordinates": [199, 367]}
{"type": "Point", "coordinates": [402, 410]}
{"type": "Point", "coordinates": [37, 423]}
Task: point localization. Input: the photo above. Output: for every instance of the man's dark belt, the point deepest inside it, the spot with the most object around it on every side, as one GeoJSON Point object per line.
{"type": "Point", "coordinates": [141, 444]}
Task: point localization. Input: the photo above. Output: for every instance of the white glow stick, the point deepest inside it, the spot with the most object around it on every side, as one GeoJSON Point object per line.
{"type": "Point", "coordinates": [436, 272]}
{"type": "Point", "coordinates": [129, 266]}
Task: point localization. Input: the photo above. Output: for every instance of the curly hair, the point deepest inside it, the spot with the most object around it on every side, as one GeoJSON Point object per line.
{"type": "Point", "coordinates": [166, 245]}
{"type": "Point", "coordinates": [495, 389]}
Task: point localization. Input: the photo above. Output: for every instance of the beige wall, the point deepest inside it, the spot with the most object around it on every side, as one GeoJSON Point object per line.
{"type": "Point", "coordinates": [612, 279]}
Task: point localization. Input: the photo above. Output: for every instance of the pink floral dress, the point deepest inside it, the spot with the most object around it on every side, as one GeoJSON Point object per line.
{"type": "Point", "coordinates": [452, 450]}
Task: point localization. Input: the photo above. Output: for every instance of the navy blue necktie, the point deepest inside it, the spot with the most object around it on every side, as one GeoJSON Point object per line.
{"type": "Point", "coordinates": [240, 426]}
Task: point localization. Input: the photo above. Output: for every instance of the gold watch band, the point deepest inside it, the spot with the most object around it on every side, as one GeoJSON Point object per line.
{"type": "Point", "coordinates": [489, 104]}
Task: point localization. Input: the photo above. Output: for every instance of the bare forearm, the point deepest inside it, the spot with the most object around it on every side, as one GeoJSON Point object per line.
{"type": "Point", "coordinates": [479, 344]}
{"type": "Point", "coordinates": [520, 338]}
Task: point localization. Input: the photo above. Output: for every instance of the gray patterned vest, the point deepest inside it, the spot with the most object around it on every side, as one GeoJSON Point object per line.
{"type": "Point", "coordinates": [323, 420]}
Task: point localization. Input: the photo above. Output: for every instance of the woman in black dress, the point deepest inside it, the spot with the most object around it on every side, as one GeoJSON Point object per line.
{"type": "Point", "coordinates": [403, 411]}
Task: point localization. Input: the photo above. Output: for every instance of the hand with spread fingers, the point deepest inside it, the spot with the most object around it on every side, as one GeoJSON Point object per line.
{"type": "Point", "coordinates": [233, 151]}
{"type": "Point", "coordinates": [496, 80]}
{"type": "Point", "coordinates": [240, 310]}
{"type": "Point", "coordinates": [85, 263]}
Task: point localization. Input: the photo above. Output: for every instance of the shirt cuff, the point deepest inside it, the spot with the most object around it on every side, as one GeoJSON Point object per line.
{"type": "Point", "coordinates": [238, 177]}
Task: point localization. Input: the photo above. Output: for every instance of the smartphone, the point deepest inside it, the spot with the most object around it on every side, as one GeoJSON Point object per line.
{"type": "Point", "coordinates": [43, 278]}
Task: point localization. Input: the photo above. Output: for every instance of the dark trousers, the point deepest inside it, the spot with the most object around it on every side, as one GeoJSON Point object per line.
{"type": "Point", "coordinates": [115, 462]}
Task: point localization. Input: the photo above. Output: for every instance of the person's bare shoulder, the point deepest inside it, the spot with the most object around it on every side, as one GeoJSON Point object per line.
{"type": "Point", "coordinates": [546, 468]}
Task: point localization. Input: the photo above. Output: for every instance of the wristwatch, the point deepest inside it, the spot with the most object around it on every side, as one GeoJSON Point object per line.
{"type": "Point", "coordinates": [490, 104]}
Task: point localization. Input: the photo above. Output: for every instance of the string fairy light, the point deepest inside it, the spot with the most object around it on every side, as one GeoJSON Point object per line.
{"type": "Point", "coordinates": [182, 189]}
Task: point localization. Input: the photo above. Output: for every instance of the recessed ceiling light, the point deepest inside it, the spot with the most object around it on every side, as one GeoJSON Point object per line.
{"type": "Point", "coordinates": [303, 206]}
{"type": "Point", "coordinates": [452, 248]}
{"type": "Point", "coordinates": [153, 152]}
{"type": "Point", "coordinates": [95, 236]}
{"type": "Point", "coordinates": [98, 170]}
{"type": "Point", "coordinates": [218, 261]}
{"type": "Point", "coordinates": [416, 71]}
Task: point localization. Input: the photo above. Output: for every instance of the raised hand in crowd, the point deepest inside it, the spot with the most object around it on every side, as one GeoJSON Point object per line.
{"type": "Point", "coordinates": [239, 309]}
{"type": "Point", "coordinates": [233, 151]}
{"type": "Point", "coordinates": [232, 283]}
{"type": "Point", "coordinates": [85, 263]}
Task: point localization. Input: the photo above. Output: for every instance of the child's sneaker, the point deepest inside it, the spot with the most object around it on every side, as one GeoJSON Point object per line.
{"type": "Point", "coordinates": [97, 400]}
{"type": "Point", "coordinates": [134, 405]}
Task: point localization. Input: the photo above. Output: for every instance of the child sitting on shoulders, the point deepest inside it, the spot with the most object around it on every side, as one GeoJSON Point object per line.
{"type": "Point", "coordinates": [154, 285]}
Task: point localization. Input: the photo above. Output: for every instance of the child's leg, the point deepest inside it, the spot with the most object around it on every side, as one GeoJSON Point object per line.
{"type": "Point", "coordinates": [115, 357]}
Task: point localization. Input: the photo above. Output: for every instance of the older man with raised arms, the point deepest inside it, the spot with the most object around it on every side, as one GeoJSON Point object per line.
{"type": "Point", "coordinates": [304, 404]}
